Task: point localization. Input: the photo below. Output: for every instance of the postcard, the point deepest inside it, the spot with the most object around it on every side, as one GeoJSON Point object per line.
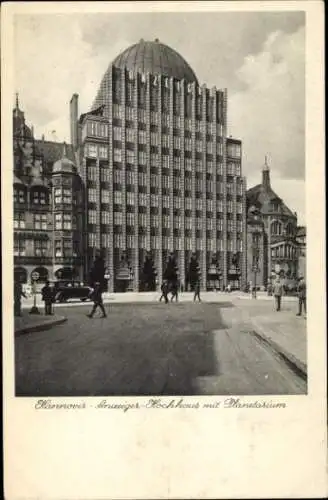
{"type": "Point", "coordinates": [163, 225]}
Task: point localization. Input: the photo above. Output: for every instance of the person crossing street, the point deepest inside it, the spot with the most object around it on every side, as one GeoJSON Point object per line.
{"type": "Point", "coordinates": [174, 291]}
{"type": "Point", "coordinates": [197, 292]}
{"type": "Point", "coordinates": [277, 292]}
{"type": "Point", "coordinates": [47, 297]}
{"type": "Point", "coordinates": [301, 290]}
{"type": "Point", "coordinates": [165, 291]}
{"type": "Point", "coordinates": [96, 296]}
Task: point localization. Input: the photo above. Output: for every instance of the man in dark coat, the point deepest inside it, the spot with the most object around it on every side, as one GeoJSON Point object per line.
{"type": "Point", "coordinates": [301, 291]}
{"type": "Point", "coordinates": [277, 292]}
{"type": "Point", "coordinates": [18, 294]}
{"type": "Point", "coordinates": [47, 297]}
{"type": "Point", "coordinates": [165, 291]}
{"type": "Point", "coordinates": [96, 296]}
{"type": "Point", "coordinates": [174, 290]}
{"type": "Point", "coordinates": [197, 291]}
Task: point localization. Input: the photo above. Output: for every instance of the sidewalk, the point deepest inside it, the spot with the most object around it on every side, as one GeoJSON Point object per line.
{"type": "Point", "coordinates": [285, 333]}
{"type": "Point", "coordinates": [28, 323]}
{"type": "Point", "coordinates": [136, 297]}
{"type": "Point", "coordinates": [151, 297]}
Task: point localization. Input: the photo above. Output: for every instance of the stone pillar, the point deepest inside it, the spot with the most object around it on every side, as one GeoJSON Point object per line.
{"type": "Point", "coordinates": [110, 241]}
{"type": "Point", "coordinates": [182, 185]}
{"type": "Point", "coordinates": [159, 166]}
{"type": "Point", "coordinates": [224, 154]}
{"type": "Point", "coordinates": [172, 243]}
{"type": "Point", "coordinates": [203, 263]}
{"type": "Point", "coordinates": [268, 270]}
{"type": "Point", "coordinates": [244, 255]}
{"type": "Point", "coordinates": [135, 251]}
{"type": "Point", "coordinates": [148, 227]}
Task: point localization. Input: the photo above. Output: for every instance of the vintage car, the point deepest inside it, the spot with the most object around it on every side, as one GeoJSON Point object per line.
{"type": "Point", "coordinates": [65, 290]}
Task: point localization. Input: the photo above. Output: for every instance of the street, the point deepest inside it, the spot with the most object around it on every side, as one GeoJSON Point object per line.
{"type": "Point", "coordinates": [152, 349]}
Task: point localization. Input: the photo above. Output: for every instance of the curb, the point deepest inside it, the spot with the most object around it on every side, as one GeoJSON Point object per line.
{"type": "Point", "coordinates": [39, 327]}
{"type": "Point", "coordinates": [298, 366]}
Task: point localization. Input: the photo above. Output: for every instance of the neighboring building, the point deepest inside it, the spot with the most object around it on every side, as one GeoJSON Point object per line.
{"type": "Point", "coordinates": [301, 240]}
{"type": "Point", "coordinates": [47, 206]}
{"type": "Point", "coordinates": [257, 259]}
{"type": "Point", "coordinates": [160, 174]}
{"type": "Point", "coordinates": [277, 240]}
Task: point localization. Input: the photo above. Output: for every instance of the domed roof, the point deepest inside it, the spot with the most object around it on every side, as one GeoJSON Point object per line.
{"type": "Point", "coordinates": [149, 57]}
{"type": "Point", "coordinates": [155, 58]}
{"type": "Point", "coordinates": [64, 165]}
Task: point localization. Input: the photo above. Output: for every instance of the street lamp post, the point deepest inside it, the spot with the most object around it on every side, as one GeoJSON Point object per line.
{"type": "Point", "coordinates": [34, 309]}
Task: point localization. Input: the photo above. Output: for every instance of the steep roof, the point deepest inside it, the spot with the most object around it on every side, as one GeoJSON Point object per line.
{"type": "Point", "coordinates": [262, 197]}
{"type": "Point", "coordinates": [53, 151]}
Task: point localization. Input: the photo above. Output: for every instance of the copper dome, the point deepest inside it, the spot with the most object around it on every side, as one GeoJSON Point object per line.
{"type": "Point", "coordinates": [155, 58]}
{"type": "Point", "coordinates": [64, 165]}
{"type": "Point", "coordinates": [148, 57]}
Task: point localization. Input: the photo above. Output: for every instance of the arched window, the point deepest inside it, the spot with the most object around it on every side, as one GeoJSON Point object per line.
{"type": "Point", "coordinates": [276, 228]}
{"type": "Point", "coordinates": [289, 229]}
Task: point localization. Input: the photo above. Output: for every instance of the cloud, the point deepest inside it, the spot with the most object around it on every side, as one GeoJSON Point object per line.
{"type": "Point", "coordinates": [52, 61]}
{"type": "Point", "coordinates": [269, 115]}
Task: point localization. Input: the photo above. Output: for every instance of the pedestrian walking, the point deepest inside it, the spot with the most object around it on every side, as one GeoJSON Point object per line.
{"type": "Point", "coordinates": [18, 294]}
{"type": "Point", "coordinates": [229, 288]}
{"type": "Point", "coordinates": [301, 291]}
{"type": "Point", "coordinates": [47, 297]}
{"type": "Point", "coordinates": [96, 296]}
{"type": "Point", "coordinates": [197, 292]}
{"type": "Point", "coordinates": [174, 291]}
{"type": "Point", "coordinates": [277, 292]}
{"type": "Point", "coordinates": [165, 291]}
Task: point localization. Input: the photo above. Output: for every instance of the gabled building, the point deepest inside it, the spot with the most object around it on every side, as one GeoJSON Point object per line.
{"type": "Point", "coordinates": [47, 206]}
{"type": "Point", "coordinates": [277, 239]}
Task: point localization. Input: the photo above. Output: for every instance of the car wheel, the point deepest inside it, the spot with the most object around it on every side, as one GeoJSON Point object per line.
{"type": "Point", "coordinates": [61, 298]}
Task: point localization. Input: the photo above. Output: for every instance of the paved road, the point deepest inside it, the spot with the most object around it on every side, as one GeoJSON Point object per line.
{"type": "Point", "coordinates": [178, 349]}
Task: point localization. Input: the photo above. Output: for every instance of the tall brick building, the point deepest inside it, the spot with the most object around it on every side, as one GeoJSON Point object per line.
{"type": "Point", "coordinates": [160, 174]}
{"type": "Point", "coordinates": [150, 173]}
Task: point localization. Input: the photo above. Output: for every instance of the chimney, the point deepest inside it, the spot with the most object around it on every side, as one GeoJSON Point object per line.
{"type": "Point", "coordinates": [74, 110]}
{"type": "Point", "coordinates": [266, 175]}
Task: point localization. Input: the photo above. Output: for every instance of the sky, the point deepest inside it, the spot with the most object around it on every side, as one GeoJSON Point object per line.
{"type": "Point", "coordinates": [258, 57]}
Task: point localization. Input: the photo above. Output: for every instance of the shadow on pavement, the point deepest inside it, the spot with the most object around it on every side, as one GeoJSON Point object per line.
{"type": "Point", "coordinates": [145, 351]}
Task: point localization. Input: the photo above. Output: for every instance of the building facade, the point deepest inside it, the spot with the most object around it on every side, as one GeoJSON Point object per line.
{"type": "Point", "coordinates": [272, 230]}
{"type": "Point", "coordinates": [47, 207]}
{"type": "Point", "coordinates": [160, 174]}
{"type": "Point", "coordinates": [301, 240]}
{"type": "Point", "coordinates": [150, 174]}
